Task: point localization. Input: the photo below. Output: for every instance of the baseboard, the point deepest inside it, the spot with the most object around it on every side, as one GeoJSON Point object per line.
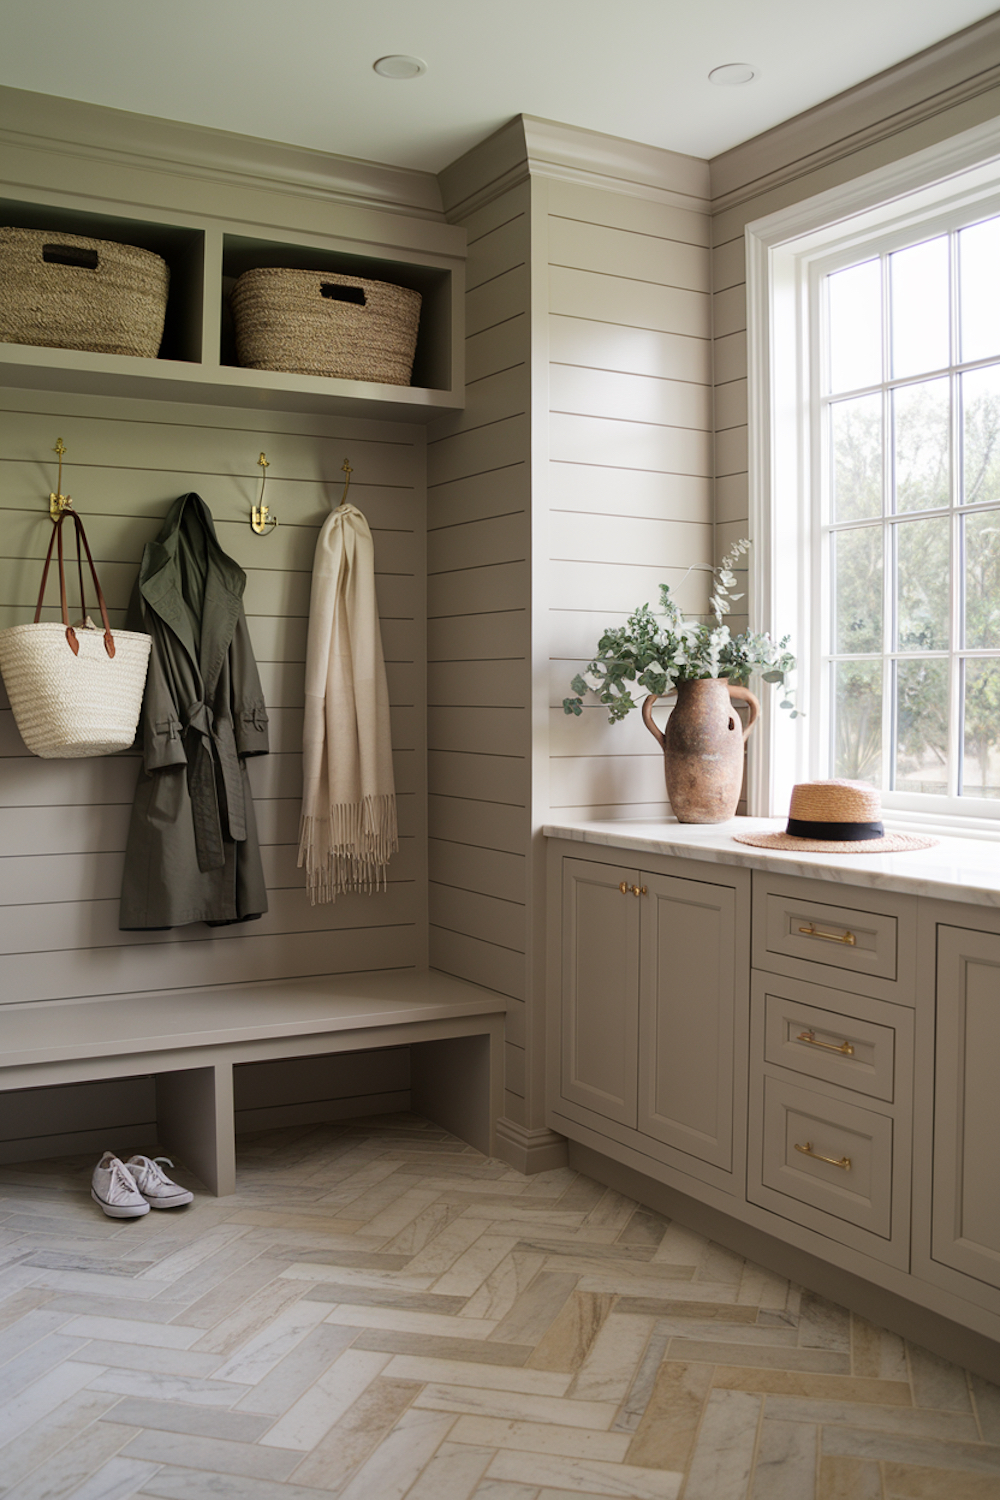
{"type": "Point", "coordinates": [530, 1151]}
{"type": "Point", "coordinates": [931, 1330]}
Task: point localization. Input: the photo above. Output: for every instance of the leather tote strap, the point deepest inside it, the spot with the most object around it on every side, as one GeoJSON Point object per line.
{"type": "Point", "coordinates": [81, 536]}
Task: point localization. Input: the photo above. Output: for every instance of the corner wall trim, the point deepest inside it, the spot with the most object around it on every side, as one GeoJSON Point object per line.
{"type": "Point", "coordinates": [530, 1151]}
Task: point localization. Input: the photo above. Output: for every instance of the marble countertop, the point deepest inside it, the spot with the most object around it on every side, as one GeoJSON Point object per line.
{"type": "Point", "coordinates": [955, 869]}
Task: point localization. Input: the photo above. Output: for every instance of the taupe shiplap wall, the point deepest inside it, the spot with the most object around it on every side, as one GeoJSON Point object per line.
{"type": "Point", "coordinates": [479, 668]}
{"type": "Point", "coordinates": [629, 472]}
{"type": "Point", "coordinates": [63, 824]}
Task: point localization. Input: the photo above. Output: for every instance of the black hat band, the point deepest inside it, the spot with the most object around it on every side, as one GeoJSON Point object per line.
{"type": "Point", "coordinates": [841, 833]}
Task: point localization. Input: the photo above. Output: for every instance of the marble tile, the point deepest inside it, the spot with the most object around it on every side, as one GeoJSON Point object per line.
{"type": "Point", "coordinates": [936, 1383]}
{"type": "Point", "coordinates": [724, 1453]}
{"type": "Point", "coordinates": [535, 1309]}
{"type": "Point", "coordinates": [397, 1341]}
{"type": "Point", "coordinates": [173, 1483]}
{"type": "Point", "coordinates": [114, 1355]}
{"type": "Point", "coordinates": [503, 1286]}
{"type": "Point", "coordinates": [958, 1427]}
{"type": "Point", "coordinates": [177, 1416]}
{"type": "Point", "coordinates": [665, 1437]}
{"type": "Point", "coordinates": [399, 1281]}
{"type": "Point", "coordinates": [986, 1399]}
{"type": "Point", "coordinates": [419, 1233]}
{"type": "Point", "coordinates": [21, 1300]}
{"type": "Point", "coordinates": [437, 1325]}
{"type": "Point", "coordinates": [312, 1250]}
{"type": "Point", "coordinates": [923, 1452]}
{"type": "Point", "coordinates": [452, 1474]}
{"type": "Point", "coordinates": [468, 1271]}
{"type": "Point", "coordinates": [721, 1331]}
{"type": "Point", "coordinates": [671, 1307]}
{"type": "Point", "coordinates": [645, 1227]}
{"type": "Point", "coordinates": [499, 1489]}
{"type": "Point", "coordinates": [643, 1381]}
{"type": "Point", "coordinates": [905, 1482]}
{"type": "Point", "coordinates": [43, 1439]}
{"type": "Point", "coordinates": [194, 1254]}
{"type": "Point", "coordinates": [115, 1480]}
{"type": "Point", "coordinates": [682, 1246]}
{"type": "Point", "coordinates": [401, 1213]}
{"type": "Point", "coordinates": [257, 1353]}
{"type": "Point", "coordinates": [780, 1357]}
{"type": "Point", "coordinates": [815, 1387]}
{"type": "Point", "coordinates": [614, 1210]}
{"type": "Point", "coordinates": [493, 1377]}
{"type": "Point", "coordinates": [823, 1325]}
{"type": "Point", "coordinates": [477, 1401]}
{"type": "Point", "coordinates": [333, 1292]}
{"type": "Point", "coordinates": [213, 1453]}
{"type": "Point", "coordinates": [250, 1318]}
{"type": "Point", "coordinates": [143, 1312]}
{"type": "Point", "coordinates": [568, 1338]}
{"type": "Point", "coordinates": [786, 1462]}
{"type": "Point", "coordinates": [310, 1418]}
{"type": "Point", "coordinates": [541, 1437]}
{"type": "Point", "coordinates": [645, 1282]}
{"type": "Point", "coordinates": [441, 1253]}
{"type": "Point", "coordinates": [396, 1463]}
{"type": "Point", "coordinates": [225, 1290]}
{"type": "Point", "coordinates": [586, 1475]}
{"type": "Point", "coordinates": [606, 1373]}
{"type": "Point", "coordinates": [877, 1353]}
{"type": "Point", "coordinates": [157, 1386]}
{"type": "Point", "coordinates": [612, 1255]}
{"type": "Point", "coordinates": [319, 1222]}
{"type": "Point", "coordinates": [130, 1330]}
{"type": "Point", "coordinates": [33, 1326]}
{"type": "Point", "coordinates": [297, 1370]}
{"type": "Point", "coordinates": [761, 1288]}
{"type": "Point", "coordinates": [356, 1434]}
{"type": "Point", "coordinates": [842, 1478]}
{"type": "Point", "coordinates": [26, 1402]}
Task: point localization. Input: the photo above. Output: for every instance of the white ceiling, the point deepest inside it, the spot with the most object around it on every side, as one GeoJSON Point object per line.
{"type": "Point", "coordinates": [300, 71]}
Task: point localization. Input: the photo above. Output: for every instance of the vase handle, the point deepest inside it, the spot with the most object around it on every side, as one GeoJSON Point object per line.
{"type": "Point", "coordinates": [647, 715]}
{"type": "Point", "coordinates": [745, 696]}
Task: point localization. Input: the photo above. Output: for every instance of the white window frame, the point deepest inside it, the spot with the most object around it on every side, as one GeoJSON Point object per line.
{"type": "Point", "coordinates": [783, 251]}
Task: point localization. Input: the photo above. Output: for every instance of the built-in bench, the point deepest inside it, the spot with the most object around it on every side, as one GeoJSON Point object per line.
{"type": "Point", "coordinates": [190, 1041]}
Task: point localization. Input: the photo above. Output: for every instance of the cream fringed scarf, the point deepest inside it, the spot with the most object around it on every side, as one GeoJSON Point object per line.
{"type": "Point", "coordinates": [348, 828]}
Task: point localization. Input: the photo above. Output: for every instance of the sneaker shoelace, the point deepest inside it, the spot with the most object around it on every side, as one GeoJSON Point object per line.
{"type": "Point", "coordinates": [150, 1168]}
{"type": "Point", "coordinates": [121, 1186]}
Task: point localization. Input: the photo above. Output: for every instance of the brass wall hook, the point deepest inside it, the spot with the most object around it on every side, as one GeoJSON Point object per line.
{"type": "Point", "coordinates": [260, 520]}
{"type": "Point", "coordinates": [59, 502]}
{"type": "Point", "coordinates": [345, 468]}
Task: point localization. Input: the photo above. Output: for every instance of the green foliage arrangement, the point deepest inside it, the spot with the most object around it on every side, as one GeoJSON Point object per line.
{"type": "Point", "coordinates": [656, 649]}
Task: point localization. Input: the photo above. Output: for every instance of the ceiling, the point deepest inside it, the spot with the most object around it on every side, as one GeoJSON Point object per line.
{"type": "Point", "coordinates": [300, 71]}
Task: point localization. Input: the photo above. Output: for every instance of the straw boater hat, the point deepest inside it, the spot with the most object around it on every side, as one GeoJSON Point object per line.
{"type": "Point", "coordinates": [836, 817]}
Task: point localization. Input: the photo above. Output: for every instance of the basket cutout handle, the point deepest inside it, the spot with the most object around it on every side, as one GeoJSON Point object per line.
{"type": "Point", "coordinates": [337, 293]}
{"type": "Point", "coordinates": [81, 536]}
{"type": "Point", "coordinates": [71, 255]}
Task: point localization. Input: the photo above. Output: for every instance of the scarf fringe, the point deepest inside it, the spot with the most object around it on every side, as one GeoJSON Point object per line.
{"type": "Point", "coordinates": [349, 850]}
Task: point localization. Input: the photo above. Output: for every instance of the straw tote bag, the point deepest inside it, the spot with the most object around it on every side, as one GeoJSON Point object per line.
{"type": "Point", "coordinates": [74, 691]}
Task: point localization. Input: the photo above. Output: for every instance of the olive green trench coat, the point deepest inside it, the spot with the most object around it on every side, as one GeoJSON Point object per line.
{"type": "Point", "coordinates": [192, 853]}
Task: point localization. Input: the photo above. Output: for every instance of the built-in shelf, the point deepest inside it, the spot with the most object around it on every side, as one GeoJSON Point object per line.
{"type": "Point", "coordinates": [197, 361]}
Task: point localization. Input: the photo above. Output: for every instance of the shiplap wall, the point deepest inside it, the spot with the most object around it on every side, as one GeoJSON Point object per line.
{"type": "Point", "coordinates": [63, 824]}
{"type": "Point", "coordinates": [630, 461]}
{"type": "Point", "coordinates": [479, 666]}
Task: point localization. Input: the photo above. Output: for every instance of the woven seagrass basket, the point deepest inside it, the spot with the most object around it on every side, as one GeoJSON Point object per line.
{"type": "Point", "coordinates": [319, 323]}
{"type": "Point", "coordinates": [64, 291]}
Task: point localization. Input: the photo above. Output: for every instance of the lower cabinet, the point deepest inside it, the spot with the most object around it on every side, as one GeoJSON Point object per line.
{"type": "Point", "coordinates": [835, 1082]}
{"type": "Point", "coordinates": [650, 982]}
{"type": "Point", "coordinates": [965, 1220]}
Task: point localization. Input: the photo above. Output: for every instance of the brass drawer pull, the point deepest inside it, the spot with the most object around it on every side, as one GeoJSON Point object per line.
{"type": "Point", "coordinates": [810, 1036]}
{"type": "Point", "coordinates": [830, 937]}
{"type": "Point", "coordinates": [623, 887]}
{"type": "Point", "coordinates": [844, 1163]}
{"type": "Point", "coordinates": [638, 890]}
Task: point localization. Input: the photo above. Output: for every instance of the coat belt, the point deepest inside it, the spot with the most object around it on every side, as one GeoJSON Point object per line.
{"type": "Point", "coordinates": [211, 745]}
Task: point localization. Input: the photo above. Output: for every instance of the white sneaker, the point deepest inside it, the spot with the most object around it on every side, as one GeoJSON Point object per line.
{"type": "Point", "coordinates": [115, 1190]}
{"type": "Point", "coordinates": [155, 1186]}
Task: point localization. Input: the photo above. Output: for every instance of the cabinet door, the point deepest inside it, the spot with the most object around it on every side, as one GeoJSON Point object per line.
{"type": "Point", "coordinates": [600, 988]}
{"type": "Point", "coordinates": [687, 1011]}
{"type": "Point", "coordinates": [966, 1211]}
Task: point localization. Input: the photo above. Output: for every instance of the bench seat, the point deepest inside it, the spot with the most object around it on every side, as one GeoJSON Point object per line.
{"type": "Point", "coordinates": [190, 1040]}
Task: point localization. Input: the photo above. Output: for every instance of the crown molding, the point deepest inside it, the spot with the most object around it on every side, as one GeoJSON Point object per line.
{"type": "Point", "coordinates": [528, 146]}
{"type": "Point", "coordinates": [952, 72]}
{"type": "Point", "coordinates": [43, 122]}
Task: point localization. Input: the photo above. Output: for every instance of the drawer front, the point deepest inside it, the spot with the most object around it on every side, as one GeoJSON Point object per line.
{"type": "Point", "coordinates": [829, 937]}
{"type": "Point", "coordinates": [846, 1050]}
{"type": "Point", "coordinates": [827, 1154]}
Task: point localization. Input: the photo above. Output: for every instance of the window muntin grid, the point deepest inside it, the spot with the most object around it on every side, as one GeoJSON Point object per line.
{"type": "Point", "coordinates": [909, 518]}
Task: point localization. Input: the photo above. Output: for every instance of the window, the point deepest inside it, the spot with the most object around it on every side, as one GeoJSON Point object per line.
{"type": "Point", "coordinates": [875, 479]}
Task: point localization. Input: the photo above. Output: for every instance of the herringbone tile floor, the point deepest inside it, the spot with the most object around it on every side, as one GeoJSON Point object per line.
{"type": "Point", "coordinates": [381, 1312]}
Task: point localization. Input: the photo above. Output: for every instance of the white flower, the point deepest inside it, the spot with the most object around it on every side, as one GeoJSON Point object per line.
{"type": "Point", "coordinates": [594, 682]}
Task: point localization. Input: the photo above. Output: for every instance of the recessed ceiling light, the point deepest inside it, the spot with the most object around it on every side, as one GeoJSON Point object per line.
{"type": "Point", "coordinates": [732, 73]}
{"type": "Point", "coordinates": [396, 65]}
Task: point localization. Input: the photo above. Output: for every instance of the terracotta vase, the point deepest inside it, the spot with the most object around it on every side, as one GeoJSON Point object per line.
{"type": "Point", "coordinates": [703, 748]}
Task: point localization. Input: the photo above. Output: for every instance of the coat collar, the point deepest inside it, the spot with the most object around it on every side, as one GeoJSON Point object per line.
{"type": "Point", "coordinates": [189, 521]}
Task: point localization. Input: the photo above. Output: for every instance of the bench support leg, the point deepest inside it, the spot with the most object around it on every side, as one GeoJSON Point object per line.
{"type": "Point", "coordinates": [194, 1116]}
{"type": "Point", "coordinates": [456, 1082]}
